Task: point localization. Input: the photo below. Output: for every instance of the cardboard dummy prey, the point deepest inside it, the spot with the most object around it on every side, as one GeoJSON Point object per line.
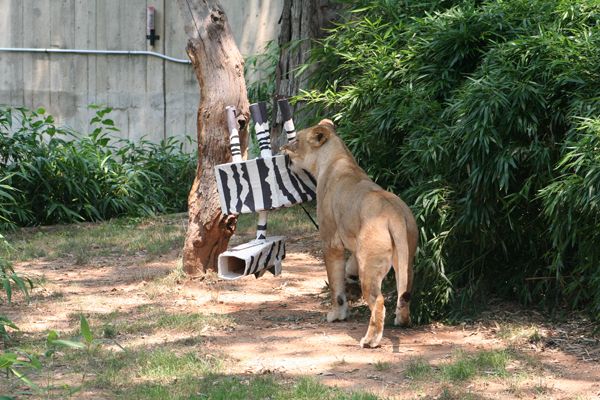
{"type": "Point", "coordinates": [256, 186]}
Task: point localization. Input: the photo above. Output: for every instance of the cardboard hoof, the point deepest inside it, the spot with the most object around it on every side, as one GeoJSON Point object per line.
{"type": "Point", "coordinates": [253, 258]}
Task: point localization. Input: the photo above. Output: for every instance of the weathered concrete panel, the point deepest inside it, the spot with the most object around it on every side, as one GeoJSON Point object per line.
{"type": "Point", "coordinates": [152, 98]}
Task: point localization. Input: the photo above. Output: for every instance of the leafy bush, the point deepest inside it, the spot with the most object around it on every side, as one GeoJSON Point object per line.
{"type": "Point", "coordinates": [483, 115]}
{"type": "Point", "coordinates": [50, 174]}
{"type": "Point", "coordinates": [259, 71]}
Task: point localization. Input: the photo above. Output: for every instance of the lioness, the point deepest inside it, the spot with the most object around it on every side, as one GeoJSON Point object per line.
{"type": "Point", "coordinates": [355, 213]}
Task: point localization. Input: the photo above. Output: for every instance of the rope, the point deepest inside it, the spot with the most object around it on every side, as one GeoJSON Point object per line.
{"type": "Point", "coordinates": [193, 19]}
{"type": "Point", "coordinates": [310, 216]}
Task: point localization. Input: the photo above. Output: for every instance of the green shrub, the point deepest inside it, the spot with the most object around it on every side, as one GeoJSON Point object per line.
{"type": "Point", "coordinates": [472, 112]}
{"type": "Point", "coordinates": [50, 174]}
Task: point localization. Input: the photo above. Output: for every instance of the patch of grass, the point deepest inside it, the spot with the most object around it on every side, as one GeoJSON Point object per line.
{"type": "Point", "coordinates": [151, 237]}
{"type": "Point", "coordinates": [382, 366]}
{"type": "Point", "coordinates": [132, 374]}
{"type": "Point", "coordinates": [174, 277]}
{"type": "Point", "coordinates": [448, 393]}
{"type": "Point", "coordinates": [512, 332]}
{"type": "Point", "coordinates": [162, 285]}
{"type": "Point", "coordinates": [339, 363]}
{"type": "Point", "coordinates": [212, 385]}
{"type": "Point", "coordinates": [514, 385]}
{"type": "Point", "coordinates": [418, 369]}
{"type": "Point", "coordinates": [535, 337]}
{"type": "Point", "coordinates": [147, 319]}
{"type": "Point", "coordinates": [266, 387]}
{"type": "Point", "coordinates": [541, 387]}
{"type": "Point", "coordinates": [109, 331]}
{"type": "Point", "coordinates": [492, 362]}
{"type": "Point", "coordinates": [460, 370]}
{"type": "Point", "coordinates": [163, 365]}
{"type": "Point", "coordinates": [527, 359]}
{"type": "Point", "coordinates": [231, 387]}
{"type": "Point", "coordinates": [191, 322]}
{"type": "Point", "coordinates": [158, 240]}
{"type": "Point", "coordinates": [467, 366]}
{"type": "Point", "coordinates": [281, 221]}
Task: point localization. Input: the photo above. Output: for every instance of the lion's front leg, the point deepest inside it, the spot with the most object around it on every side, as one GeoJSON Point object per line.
{"type": "Point", "coordinates": [334, 262]}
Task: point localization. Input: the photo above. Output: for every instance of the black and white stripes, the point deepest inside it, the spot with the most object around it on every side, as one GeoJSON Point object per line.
{"type": "Point", "coordinates": [252, 258]}
{"type": "Point", "coordinates": [256, 186]}
{"type": "Point", "coordinates": [234, 136]}
{"type": "Point", "coordinates": [286, 116]}
{"type": "Point", "coordinates": [258, 111]}
{"type": "Point", "coordinates": [262, 184]}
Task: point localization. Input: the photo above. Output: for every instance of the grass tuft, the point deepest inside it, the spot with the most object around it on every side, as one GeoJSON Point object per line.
{"type": "Point", "coordinates": [418, 369]}
{"type": "Point", "coordinates": [382, 366]}
{"type": "Point", "coordinates": [467, 366]}
{"type": "Point", "coordinates": [459, 370]}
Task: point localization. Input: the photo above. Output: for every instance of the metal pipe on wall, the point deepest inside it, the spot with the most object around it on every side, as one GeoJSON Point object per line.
{"type": "Point", "coordinates": [101, 52]}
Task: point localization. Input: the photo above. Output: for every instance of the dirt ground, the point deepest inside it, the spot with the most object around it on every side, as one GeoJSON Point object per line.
{"type": "Point", "coordinates": [280, 328]}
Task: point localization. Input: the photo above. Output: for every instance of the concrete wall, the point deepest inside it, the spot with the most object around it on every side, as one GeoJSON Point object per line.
{"type": "Point", "coordinates": [151, 97]}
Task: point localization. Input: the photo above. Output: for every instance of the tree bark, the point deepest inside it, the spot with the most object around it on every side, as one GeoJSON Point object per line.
{"type": "Point", "coordinates": [219, 68]}
{"type": "Point", "coordinates": [302, 21]}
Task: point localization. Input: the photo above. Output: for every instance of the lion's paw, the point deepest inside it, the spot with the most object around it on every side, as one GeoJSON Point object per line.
{"type": "Point", "coordinates": [370, 343]}
{"type": "Point", "coordinates": [338, 314]}
{"type": "Point", "coordinates": [402, 319]}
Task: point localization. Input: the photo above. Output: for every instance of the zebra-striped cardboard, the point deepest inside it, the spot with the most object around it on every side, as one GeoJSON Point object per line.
{"type": "Point", "coordinates": [262, 184]}
{"type": "Point", "coordinates": [252, 258]}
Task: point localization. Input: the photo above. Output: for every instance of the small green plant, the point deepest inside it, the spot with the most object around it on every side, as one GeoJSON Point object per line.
{"type": "Point", "coordinates": [5, 322]}
{"type": "Point", "coordinates": [19, 363]}
{"type": "Point", "coordinates": [9, 279]}
{"type": "Point", "coordinates": [418, 368]}
{"type": "Point", "coordinates": [382, 366]}
{"type": "Point", "coordinates": [16, 362]}
{"type": "Point", "coordinates": [109, 331]}
{"type": "Point", "coordinates": [449, 393]}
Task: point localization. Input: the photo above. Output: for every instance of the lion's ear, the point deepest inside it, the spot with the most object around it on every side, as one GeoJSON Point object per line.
{"type": "Point", "coordinates": [327, 122]}
{"type": "Point", "coordinates": [318, 135]}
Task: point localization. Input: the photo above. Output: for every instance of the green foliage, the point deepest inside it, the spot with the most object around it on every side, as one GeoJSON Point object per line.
{"type": "Point", "coordinates": [259, 70]}
{"type": "Point", "coordinates": [572, 207]}
{"type": "Point", "coordinates": [5, 322]}
{"type": "Point", "coordinates": [18, 363]}
{"type": "Point", "coordinates": [10, 280]}
{"type": "Point", "coordinates": [483, 115]}
{"type": "Point", "coordinates": [50, 174]}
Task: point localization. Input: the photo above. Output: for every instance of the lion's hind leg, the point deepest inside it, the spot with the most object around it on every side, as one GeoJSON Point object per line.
{"type": "Point", "coordinates": [334, 262]}
{"type": "Point", "coordinates": [372, 271]}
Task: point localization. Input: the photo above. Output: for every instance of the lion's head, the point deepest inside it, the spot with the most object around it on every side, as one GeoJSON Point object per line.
{"type": "Point", "coordinates": [309, 146]}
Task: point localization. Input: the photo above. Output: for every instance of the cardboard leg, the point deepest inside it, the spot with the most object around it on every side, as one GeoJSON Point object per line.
{"type": "Point", "coordinates": [252, 258]}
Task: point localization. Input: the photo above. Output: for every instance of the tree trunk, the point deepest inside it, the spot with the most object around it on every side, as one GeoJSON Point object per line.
{"type": "Point", "coordinates": [219, 68]}
{"type": "Point", "coordinates": [302, 21]}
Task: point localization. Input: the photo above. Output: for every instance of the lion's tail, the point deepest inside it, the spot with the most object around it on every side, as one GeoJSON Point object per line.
{"type": "Point", "coordinates": [404, 233]}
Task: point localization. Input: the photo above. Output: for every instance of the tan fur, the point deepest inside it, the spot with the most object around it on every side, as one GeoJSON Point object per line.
{"type": "Point", "coordinates": [356, 214]}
